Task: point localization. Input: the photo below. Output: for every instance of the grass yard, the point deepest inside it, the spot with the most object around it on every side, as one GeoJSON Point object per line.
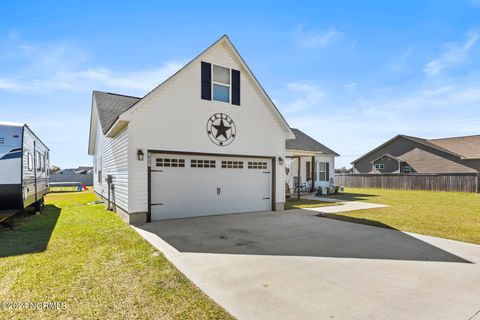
{"type": "Point", "coordinates": [451, 215]}
{"type": "Point", "coordinates": [87, 258]}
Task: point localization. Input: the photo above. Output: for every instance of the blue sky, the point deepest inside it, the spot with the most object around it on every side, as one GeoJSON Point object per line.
{"type": "Point", "coordinates": [351, 74]}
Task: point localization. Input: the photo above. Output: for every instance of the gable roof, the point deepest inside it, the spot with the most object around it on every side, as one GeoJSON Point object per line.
{"type": "Point", "coordinates": [426, 142]}
{"type": "Point", "coordinates": [307, 143]}
{"type": "Point", "coordinates": [225, 41]}
{"type": "Point", "coordinates": [429, 143]}
{"type": "Point", "coordinates": [468, 146]}
{"type": "Point", "coordinates": [389, 156]}
{"type": "Point", "coordinates": [426, 162]}
{"type": "Point", "coordinates": [110, 106]}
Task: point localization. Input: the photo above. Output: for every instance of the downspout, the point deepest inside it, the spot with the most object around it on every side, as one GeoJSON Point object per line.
{"type": "Point", "coordinates": [109, 184]}
{"type": "Point", "coordinates": [298, 173]}
{"type": "Point", "coordinates": [313, 174]}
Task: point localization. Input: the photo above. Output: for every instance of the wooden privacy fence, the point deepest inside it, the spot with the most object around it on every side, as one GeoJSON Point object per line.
{"type": "Point", "coordinates": [432, 182]}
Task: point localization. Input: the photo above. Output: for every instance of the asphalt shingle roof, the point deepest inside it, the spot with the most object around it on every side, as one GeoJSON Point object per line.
{"type": "Point", "coordinates": [307, 143]}
{"type": "Point", "coordinates": [467, 147]}
{"type": "Point", "coordinates": [390, 156]}
{"type": "Point", "coordinates": [110, 106]}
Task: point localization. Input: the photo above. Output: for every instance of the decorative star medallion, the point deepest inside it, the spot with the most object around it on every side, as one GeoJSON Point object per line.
{"type": "Point", "coordinates": [221, 129]}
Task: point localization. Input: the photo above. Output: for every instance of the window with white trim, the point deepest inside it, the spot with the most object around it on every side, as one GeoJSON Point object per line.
{"type": "Point", "coordinates": [322, 171]}
{"type": "Point", "coordinates": [379, 166]}
{"type": "Point", "coordinates": [39, 161]}
{"type": "Point", "coordinates": [202, 163]}
{"type": "Point", "coordinates": [407, 169]}
{"type": "Point", "coordinates": [30, 162]}
{"type": "Point", "coordinates": [221, 84]}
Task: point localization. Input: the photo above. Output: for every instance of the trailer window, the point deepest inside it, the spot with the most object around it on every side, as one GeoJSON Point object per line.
{"type": "Point", "coordinates": [38, 161]}
{"type": "Point", "coordinates": [43, 163]}
{"type": "Point", "coordinates": [30, 161]}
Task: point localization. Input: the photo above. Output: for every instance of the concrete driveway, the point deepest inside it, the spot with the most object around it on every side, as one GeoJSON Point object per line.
{"type": "Point", "coordinates": [295, 265]}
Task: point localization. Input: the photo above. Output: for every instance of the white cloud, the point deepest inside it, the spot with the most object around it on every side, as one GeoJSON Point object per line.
{"type": "Point", "coordinates": [44, 68]}
{"type": "Point", "coordinates": [299, 96]}
{"type": "Point", "coordinates": [436, 99]}
{"type": "Point", "coordinates": [317, 39]}
{"type": "Point", "coordinates": [352, 126]}
{"type": "Point", "coordinates": [351, 87]}
{"type": "Point", "coordinates": [454, 54]}
{"type": "Point", "coordinates": [6, 84]}
{"type": "Point", "coordinates": [144, 80]}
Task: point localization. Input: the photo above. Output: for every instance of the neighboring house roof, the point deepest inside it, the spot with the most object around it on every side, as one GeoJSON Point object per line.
{"type": "Point", "coordinates": [457, 146]}
{"type": "Point", "coordinates": [303, 141]}
{"type": "Point", "coordinates": [468, 147]}
{"type": "Point", "coordinates": [110, 106]}
{"type": "Point", "coordinates": [85, 168]}
{"type": "Point", "coordinates": [79, 170]}
{"type": "Point", "coordinates": [426, 162]}
{"type": "Point", "coordinates": [388, 155]}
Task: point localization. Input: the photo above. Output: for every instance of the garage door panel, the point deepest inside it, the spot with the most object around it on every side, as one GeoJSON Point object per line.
{"type": "Point", "coordinates": [233, 185]}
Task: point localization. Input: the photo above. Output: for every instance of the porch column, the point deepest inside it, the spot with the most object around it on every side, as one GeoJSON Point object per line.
{"type": "Point", "coordinates": [313, 174]}
{"type": "Point", "coordinates": [298, 174]}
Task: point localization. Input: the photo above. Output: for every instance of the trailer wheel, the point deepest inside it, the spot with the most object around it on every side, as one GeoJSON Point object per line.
{"type": "Point", "coordinates": [38, 206]}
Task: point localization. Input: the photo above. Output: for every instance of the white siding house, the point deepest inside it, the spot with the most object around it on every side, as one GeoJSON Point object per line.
{"type": "Point", "coordinates": [317, 164]}
{"type": "Point", "coordinates": [206, 141]}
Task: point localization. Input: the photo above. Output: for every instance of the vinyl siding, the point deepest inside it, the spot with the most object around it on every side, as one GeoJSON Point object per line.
{"type": "Point", "coordinates": [174, 118]}
{"type": "Point", "coordinates": [111, 156]}
{"type": "Point", "coordinates": [391, 165]}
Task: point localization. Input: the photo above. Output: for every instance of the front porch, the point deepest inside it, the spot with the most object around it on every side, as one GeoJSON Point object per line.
{"type": "Point", "coordinates": [305, 171]}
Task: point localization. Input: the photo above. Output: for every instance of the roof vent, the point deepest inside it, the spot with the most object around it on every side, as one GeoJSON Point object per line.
{"type": "Point", "coordinates": [2, 140]}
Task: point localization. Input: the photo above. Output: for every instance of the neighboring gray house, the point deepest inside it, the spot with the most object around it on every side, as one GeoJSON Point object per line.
{"type": "Point", "coordinates": [81, 174]}
{"type": "Point", "coordinates": [407, 154]}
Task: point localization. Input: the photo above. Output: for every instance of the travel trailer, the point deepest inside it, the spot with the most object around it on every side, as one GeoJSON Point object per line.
{"type": "Point", "coordinates": [24, 169]}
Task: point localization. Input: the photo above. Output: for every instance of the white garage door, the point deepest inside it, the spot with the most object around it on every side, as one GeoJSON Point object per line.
{"type": "Point", "coordinates": [189, 186]}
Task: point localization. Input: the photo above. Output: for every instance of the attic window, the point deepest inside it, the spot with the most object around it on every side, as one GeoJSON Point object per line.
{"type": "Point", "coordinates": [221, 84]}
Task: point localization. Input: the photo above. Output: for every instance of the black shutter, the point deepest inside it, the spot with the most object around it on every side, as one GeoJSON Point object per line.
{"type": "Point", "coordinates": [236, 87]}
{"type": "Point", "coordinates": [206, 81]}
{"type": "Point", "coordinates": [327, 169]}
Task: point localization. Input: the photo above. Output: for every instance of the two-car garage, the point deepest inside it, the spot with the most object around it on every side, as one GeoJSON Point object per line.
{"type": "Point", "coordinates": [206, 141]}
{"type": "Point", "coordinates": [189, 185]}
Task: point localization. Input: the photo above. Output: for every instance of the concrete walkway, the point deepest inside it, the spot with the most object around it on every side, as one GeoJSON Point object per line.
{"type": "Point", "coordinates": [347, 206]}
{"type": "Point", "coordinates": [295, 265]}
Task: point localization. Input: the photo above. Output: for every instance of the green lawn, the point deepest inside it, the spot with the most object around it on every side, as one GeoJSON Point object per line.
{"type": "Point", "coordinates": [451, 215]}
{"type": "Point", "coordinates": [87, 258]}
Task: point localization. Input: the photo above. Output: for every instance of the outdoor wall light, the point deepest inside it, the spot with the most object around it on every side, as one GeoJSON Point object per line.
{"type": "Point", "coordinates": [140, 155]}
{"type": "Point", "coordinates": [280, 161]}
